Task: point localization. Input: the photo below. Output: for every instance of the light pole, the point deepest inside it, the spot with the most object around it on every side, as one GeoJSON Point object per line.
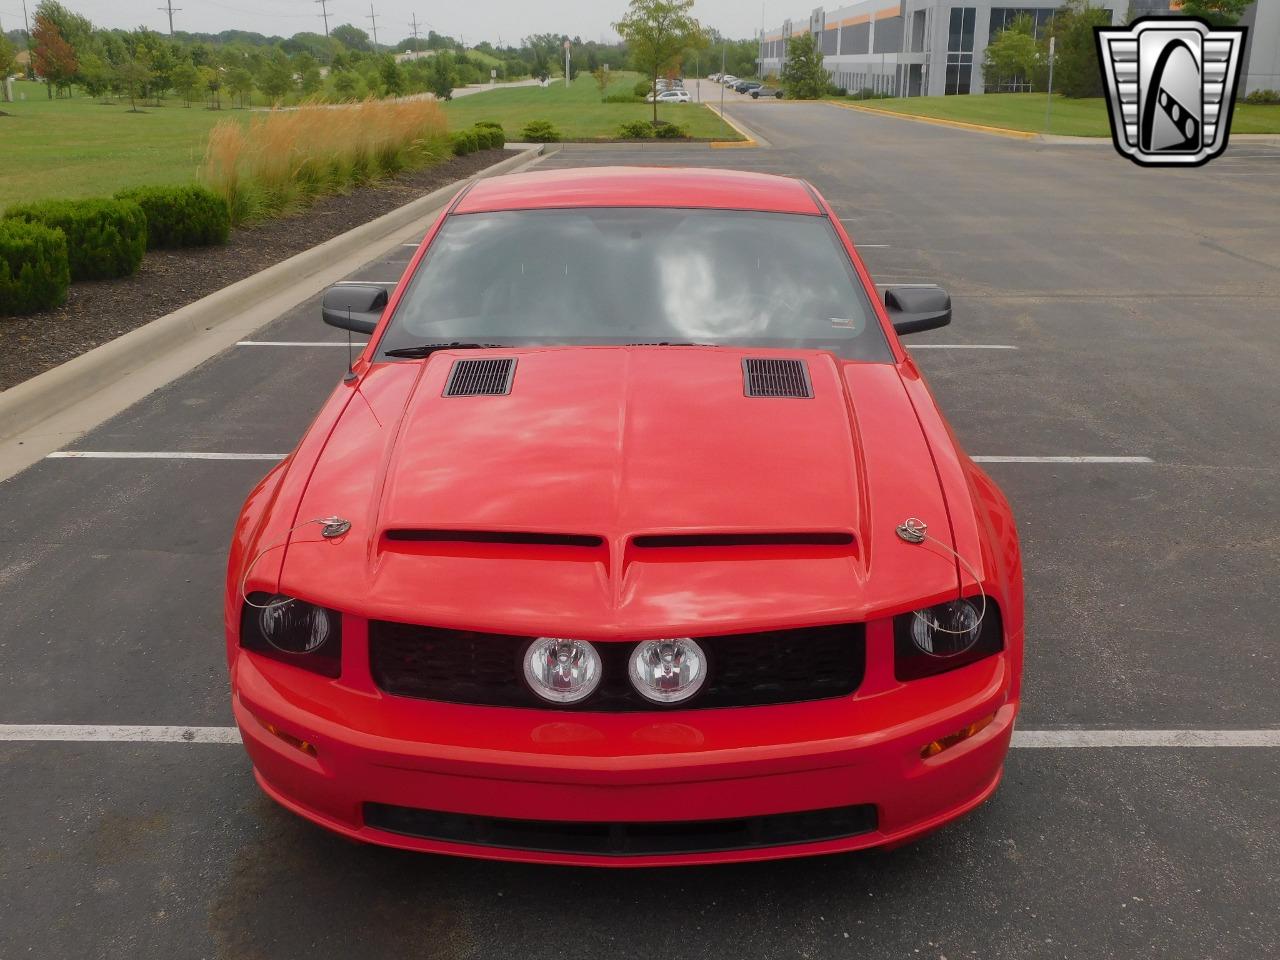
{"type": "Point", "coordinates": [1048, 104]}
{"type": "Point", "coordinates": [722, 80]}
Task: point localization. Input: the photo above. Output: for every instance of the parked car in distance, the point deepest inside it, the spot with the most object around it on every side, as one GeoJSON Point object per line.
{"type": "Point", "coordinates": [670, 96]}
{"type": "Point", "coordinates": [715, 77]}
{"type": "Point", "coordinates": [728, 80]}
{"type": "Point", "coordinates": [759, 92]}
{"type": "Point", "coordinates": [746, 86]}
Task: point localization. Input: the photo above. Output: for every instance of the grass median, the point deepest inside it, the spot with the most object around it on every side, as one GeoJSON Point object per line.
{"type": "Point", "coordinates": [1026, 111]}
{"type": "Point", "coordinates": [576, 110]}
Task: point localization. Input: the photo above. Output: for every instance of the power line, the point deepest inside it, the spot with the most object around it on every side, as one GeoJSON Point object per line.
{"type": "Point", "coordinates": [373, 17]}
{"type": "Point", "coordinates": [170, 8]}
{"type": "Point", "coordinates": [324, 12]}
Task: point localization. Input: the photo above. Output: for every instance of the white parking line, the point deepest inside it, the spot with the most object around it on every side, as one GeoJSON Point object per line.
{"type": "Point", "coordinates": [1022, 739]}
{"type": "Point", "coordinates": [1061, 459]}
{"type": "Point", "coordinates": [959, 346]}
{"type": "Point", "coordinates": [156, 455]}
{"type": "Point", "coordinates": [297, 343]}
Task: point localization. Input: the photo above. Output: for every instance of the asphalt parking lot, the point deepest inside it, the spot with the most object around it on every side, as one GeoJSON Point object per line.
{"type": "Point", "coordinates": [1101, 311]}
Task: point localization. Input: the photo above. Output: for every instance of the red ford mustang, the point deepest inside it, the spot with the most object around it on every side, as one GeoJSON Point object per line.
{"type": "Point", "coordinates": [633, 538]}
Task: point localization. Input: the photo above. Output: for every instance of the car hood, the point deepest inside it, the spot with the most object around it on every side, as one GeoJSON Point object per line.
{"type": "Point", "coordinates": [620, 491]}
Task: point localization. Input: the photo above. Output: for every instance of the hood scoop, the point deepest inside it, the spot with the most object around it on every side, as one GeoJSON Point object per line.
{"type": "Point", "coordinates": [776, 378]}
{"type": "Point", "coordinates": [517, 537]}
{"type": "Point", "coordinates": [480, 378]}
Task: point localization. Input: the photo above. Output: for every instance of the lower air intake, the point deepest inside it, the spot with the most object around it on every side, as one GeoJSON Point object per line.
{"type": "Point", "coordinates": [776, 378]}
{"type": "Point", "coordinates": [480, 378]}
{"type": "Point", "coordinates": [646, 838]}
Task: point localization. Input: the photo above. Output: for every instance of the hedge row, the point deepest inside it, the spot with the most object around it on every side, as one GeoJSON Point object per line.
{"type": "Point", "coordinates": [485, 135]}
{"type": "Point", "coordinates": [541, 131]}
{"type": "Point", "coordinates": [45, 245]}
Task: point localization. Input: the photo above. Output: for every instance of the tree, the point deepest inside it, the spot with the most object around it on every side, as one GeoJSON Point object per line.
{"type": "Point", "coordinates": [601, 76]}
{"type": "Point", "coordinates": [344, 84]}
{"type": "Point", "coordinates": [132, 76]}
{"type": "Point", "coordinates": [392, 77]}
{"type": "Point", "coordinates": [1013, 58]}
{"type": "Point", "coordinates": [658, 33]}
{"type": "Point", "coordinates": [1218, 12]}
{"type": "Point", "coordinates": [353, 38]}
{"type": "Point", "coordinates": [211, 80]}
{"type": "Point", "coordinates": [1075, 68]}
{"type": "Point", "coordinates": [8, 57]}
{"type": "Point", "coordinates": [308, 73]}
{"type": "Point", "coordinates": [440, 77]}
{"type": "Point", "coordinates": [276, 78]}
{"type": "Point", "coordinates": [96, 75]}
{"type": "Point", "coordinates": [186, 80]}
{"type": "Point", "coordinates": [803, 75]}
{"type": "Point", "coordinates": [53, 58]}
{"type": "Point", "coordinates": [240, 83]}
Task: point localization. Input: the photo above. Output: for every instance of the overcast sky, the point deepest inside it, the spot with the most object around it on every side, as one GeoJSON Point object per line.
{"type": "Point", "coordinates": [473, 20]}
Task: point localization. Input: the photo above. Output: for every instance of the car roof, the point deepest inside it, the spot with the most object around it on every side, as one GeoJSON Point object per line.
{"type": "Point", "coordinates": [641, 187]}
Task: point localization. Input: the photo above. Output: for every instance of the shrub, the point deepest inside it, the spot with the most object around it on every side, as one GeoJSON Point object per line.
{"type": "Point", "coordinates": [464, 142]}
{"type": "Point", "coordinates": [1263, 97]}
{"type": "Point", "coordinates": [491, 124]}
{"type": "Point", "coordinates": [105, 238]}
{"type": "Point", "coordinates": [624, 98]}
{"type": "Point", "coordinates": [636, 130]}
{"type": "Point", "coordinates": [490, 139]}
{"type": "Point", "coordinates": [671, 131]}
{"type": "Point", "coordinates": [34, 271]}
{"type": "Point", "coordinates": [190, 216]}
{"type": "Point", "coordinates": [642, 89]}
{"type": "Point", "coordinates": [540, 131]}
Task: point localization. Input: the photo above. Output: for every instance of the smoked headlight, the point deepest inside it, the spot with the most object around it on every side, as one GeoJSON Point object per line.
{"type": "Point", "coordinates": [562, 671]}
{"type": "Point", "coordinates": [945, 636]}
{"type": "Point", "coordinates": [668, 671]}
{"type": "Point", "coordinates": [293, 631]}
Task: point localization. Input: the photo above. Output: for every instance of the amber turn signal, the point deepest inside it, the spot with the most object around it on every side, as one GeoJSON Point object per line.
{"type": "Point", "coordinates": [951, 739]}
{"type": "Point", "coordinates": [297, 743]}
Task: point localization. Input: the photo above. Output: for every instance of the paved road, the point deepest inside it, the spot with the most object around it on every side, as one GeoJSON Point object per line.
{"type": "Point", "coordinates": [1141, 305]}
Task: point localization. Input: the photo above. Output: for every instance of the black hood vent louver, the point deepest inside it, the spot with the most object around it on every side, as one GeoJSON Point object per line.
{"type": "Point", "coordinates": [776, 378]}
{"type": "Point", "coordinates": [480, 378]}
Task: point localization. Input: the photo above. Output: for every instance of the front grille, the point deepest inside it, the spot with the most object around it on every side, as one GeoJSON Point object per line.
{"type": "Point", "coordinates": [776, 378]}
{"type": "Point", "coordinates": [747, 669]}
{"type": "Point", "coordinates": [625, 839]}
{"type": "Point", "coordinates": [480, 378]}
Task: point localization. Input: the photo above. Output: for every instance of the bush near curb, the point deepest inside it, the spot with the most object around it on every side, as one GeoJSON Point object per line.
{"type": "Point", "coordinates": [105, 238]}
{"type": "Point", "coordinates": [188, 216]}
{"type": "Point", "coordinates": [540, 131]}
{"type": "Point", "coordinates": [34, 272]}
{"type": "Point", "coordinates": [636, 130]}
{"type": "Point", "coordinates": [1263, 97]}
{"type": "Point", "coordinates": [642, 89]}
{"type": "Point", "coordinates": [671, 131]}
{"type": "Point", "coordinates": [464, 142]}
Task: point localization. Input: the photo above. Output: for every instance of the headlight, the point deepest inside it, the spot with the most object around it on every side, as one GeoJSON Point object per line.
{"type": "Point", "coordinates": [668, 671]}
{"type": "Point", "coordinates": [945, 636]}
{"type": "Point", "coordinates": [293, 631]}
{"type": "Point", "coordinates": [562, 671]}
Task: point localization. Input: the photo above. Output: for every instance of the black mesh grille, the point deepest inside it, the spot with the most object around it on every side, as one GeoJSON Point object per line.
{"type": "Point", "coordinates": [625, 839]}
{"type": "Point", "coordinates": [776, 378]}
{"type": "Point", "coordinates": [748, 669]}
{"type": "Point", "coordinates": [480, 378]}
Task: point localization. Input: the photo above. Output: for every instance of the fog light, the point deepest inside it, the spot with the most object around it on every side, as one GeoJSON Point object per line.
{"type": "Point", "coordinates": [562, 671]}
{"type": "Point", "coordinates": [668, 671]}
{"type": "Point", "coordinates": [951, 739]}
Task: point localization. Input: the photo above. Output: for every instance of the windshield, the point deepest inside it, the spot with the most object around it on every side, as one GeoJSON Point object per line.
{"type": "Point", "coordinates": [619, 276]}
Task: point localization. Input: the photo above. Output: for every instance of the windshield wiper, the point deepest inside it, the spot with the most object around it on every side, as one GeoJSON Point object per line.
{"type": "Point", "coordinates": [426, 349]}
{"type": "Point", "coordinates": [669, 343]}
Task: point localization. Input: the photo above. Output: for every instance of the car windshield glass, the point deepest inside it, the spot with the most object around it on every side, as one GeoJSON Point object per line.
{"type": "Point", "coordinates": [649, 275]}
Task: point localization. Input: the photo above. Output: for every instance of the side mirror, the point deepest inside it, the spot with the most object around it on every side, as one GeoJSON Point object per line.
{"type": "Point", "coordinates": [354, 306]}
{"type": "Point", "coordinates": [913, 309]}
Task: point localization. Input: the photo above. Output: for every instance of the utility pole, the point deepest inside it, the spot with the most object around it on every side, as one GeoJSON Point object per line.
{"type": "Point", "coordinates": [324, 12]}
{"type": "Point", "coordinates": [373, 18]}
{"type": "Point", "coordinates": [169, 8]}
{"type": "Point", "coordinates": [415, 33]}
{"type": "Point", "coordinates": [566, 62]}
{"type": "Point", "coordinates": [31, 60]}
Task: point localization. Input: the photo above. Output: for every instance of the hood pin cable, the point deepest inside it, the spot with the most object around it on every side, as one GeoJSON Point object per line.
{"type": "Point", "coordinates": [330, 528]}
{"type": "Point", "coordinates": [915, 530]}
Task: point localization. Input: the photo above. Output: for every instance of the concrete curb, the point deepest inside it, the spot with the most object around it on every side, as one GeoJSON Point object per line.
{"type": "Point", "coordinates": [43, 413]}
{"type": "Point", "coordinates": [940, 122]}
{"type": "Point", "coordinates": [753, 139]}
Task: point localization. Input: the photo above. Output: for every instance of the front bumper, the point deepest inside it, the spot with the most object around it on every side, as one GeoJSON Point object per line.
{"type": "Point", "coordinates": [668, 766]}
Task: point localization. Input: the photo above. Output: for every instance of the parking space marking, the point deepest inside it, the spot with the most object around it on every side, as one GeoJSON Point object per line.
{"type": "Point", "coordinates": [1061, 459]}
{"type": "Point", "coordinates": [1022, 739]}
{"type": "Point", "coordinates": [298, 343]}
{"type": "Point", "coordinates": [960, 346]}
{"type": "Point", "coordinates": [157, 455]}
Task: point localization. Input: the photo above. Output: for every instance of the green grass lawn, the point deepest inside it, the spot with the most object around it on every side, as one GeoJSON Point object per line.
{"type": "Point", "coordinates": [1072, 118]}
{"type": "Point", "coordinates": [81, 148]}
{"type": "Point", "coordinates": [577, 111]}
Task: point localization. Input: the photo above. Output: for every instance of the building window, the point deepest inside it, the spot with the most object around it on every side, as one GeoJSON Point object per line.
{"type": "Point", "coordinates": [960, 50]}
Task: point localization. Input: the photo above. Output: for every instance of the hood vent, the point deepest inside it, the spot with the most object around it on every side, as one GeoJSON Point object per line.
{"type": "Point", "coordinates": [498, 536]}
{"type": "Point", "coordinates": [776, 378]}
{"type": "Point", "coordinates": [830, 539]}
{"type": "Point", "coordinates": [480, 378]}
